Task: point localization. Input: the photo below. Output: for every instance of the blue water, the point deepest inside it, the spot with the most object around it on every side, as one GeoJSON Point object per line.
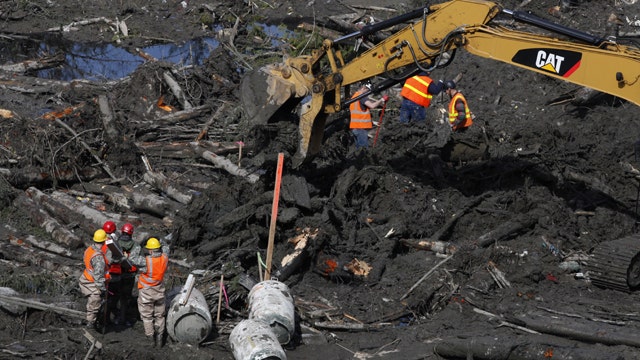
{"type": "Point", "coordinates": [96, 61]}
{"type": "Point", "coordinates": [100, 61]}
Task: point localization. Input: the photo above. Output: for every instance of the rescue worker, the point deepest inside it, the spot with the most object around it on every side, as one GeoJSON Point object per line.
{"type": "Point", "coordinates": [151, 298]}
{"type": "Point", "coordinates": [361, 122]}
{"type": "Point", "coordinates": [130, 249]}
{"type": "Point", "coordinates": [459, 115]}
{"type": "Point", "coordinates": [94, 279]}
{"type": "Point", "coordinates": [417, 93]}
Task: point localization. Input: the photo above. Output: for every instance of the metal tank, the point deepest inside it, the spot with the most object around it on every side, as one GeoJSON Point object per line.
{"type": "Point", "coordinates": [188, 317]}
{"type": "Point", "coordinates": [270, 301]}
{"type": "Point", "coordinates": [255, 340]}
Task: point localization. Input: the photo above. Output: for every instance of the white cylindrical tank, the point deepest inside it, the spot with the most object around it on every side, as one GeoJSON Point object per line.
{"type": "Point", "coordinates": [270, 301]}
{"type": "Point", "coordinates": [189, 323]}
{"type": "Point", "coordinates": [255, 340]}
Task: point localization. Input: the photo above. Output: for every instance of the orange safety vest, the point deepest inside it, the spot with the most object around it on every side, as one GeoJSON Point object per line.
{"type": "Point", "coordinates": [115, 267]}
{"type": "Point", "coordinates": [89, 254]}
{"type": "Point", "coordinates": [453, 114]}
{"type": "Point", "coordinates": [156, 267]}
{"type": "Point", "coordinates": [360, 118]}
{"type": "Point", "coordinates": [416, 89]}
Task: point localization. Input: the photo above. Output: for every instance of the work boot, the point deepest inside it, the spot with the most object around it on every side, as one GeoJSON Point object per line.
{"type": "Point", "coordinates": [160, 340]}
{"type": "Point", "coordinates": [151, 339]}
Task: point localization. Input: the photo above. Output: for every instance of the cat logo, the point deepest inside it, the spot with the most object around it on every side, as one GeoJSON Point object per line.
{"type": "Point", "coordinates": [555, 61]}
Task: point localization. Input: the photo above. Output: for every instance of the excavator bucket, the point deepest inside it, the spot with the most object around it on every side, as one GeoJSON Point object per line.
{"type": "Point", "coordinates": [265, 96]}
{"type": "Point", "coordinates": [273, 93]}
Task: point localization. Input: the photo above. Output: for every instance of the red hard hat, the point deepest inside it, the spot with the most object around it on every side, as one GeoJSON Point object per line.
{"type": "Point", "coordinates": [109, 227]}
{"type": "Point", "coordinates": [127, 229]}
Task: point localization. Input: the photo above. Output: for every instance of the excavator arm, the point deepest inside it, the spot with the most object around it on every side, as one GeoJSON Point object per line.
{"type": "Point", "coordinates": [429, 43]}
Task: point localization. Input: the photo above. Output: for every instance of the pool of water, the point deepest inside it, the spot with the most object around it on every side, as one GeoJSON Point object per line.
{"type": "Point", "coordinates": [96, 61]}
{"type": "Point", "coordinates": [100, 61]}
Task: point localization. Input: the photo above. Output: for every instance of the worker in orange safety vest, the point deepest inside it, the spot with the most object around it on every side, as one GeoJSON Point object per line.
{"type": "Point", "coordinates": [459, 116]}
{"type": "Point", "coordinates": [94, 278]}
{"type": "Point", "coordinates": [417, 93]}
{"type": "Point", "coordinates": [151, 289]}
{"type": "Point", "coordinates": [361, 122]}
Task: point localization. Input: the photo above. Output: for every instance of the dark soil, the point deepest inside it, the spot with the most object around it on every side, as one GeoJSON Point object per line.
{"type": "Point", "coordinates": [560, 166]}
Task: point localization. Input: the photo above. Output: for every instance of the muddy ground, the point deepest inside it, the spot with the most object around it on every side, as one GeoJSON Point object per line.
{"type": "Point", "coordinates": [556, 167]}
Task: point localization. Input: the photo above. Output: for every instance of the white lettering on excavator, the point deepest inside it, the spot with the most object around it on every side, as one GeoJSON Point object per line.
{"type": "Point", "coordinates": [544, 60]}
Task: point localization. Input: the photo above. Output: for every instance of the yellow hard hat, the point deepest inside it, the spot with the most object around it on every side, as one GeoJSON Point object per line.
{"type": "Point", "coordinates": [153, 243]}
{"type": "Point", "coordinates": [99, 236]}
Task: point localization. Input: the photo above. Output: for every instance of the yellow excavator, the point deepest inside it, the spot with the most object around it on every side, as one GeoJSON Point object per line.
{"type": "Point", "coordinates": [427, 43]}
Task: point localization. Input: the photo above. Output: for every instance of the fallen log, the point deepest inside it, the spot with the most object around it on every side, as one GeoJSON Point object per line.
{"type": "Point", "coordinates": [178, 116]}
{"type": "Point", "coordinates": [336, 325]}
{"type": "Point", "coordinates": [73, 25]}
{"type": "Point", "coordinates": [321, 31]}
{"type": "Point", "coordinates": [292, 261]}
{"type": "Point", "coordinates": [224, 163]}
{"type": "Point", "coordinates": [581, 329]}
{"type": "Point", "coordinates": [498, 275]}
{"type": "Point", "coordinates": [72, 211]}
{"type": "Point", "coordinates": [243, 212]}
{"type": "Point", "coordinates": [237, 239]}
{"type": "Point", "coordinates": [108, 118]}
{"type": "Point", "coordinates": [507, 229]}
{"type": "Point", "coordinates": [375, 8]}
{"type": "Point", "coordinates": [444, 229]}
{"type": "Point", "coordinates": [51, 225]}
{"type": "Point", "coordinates": [183, 150]}
{"type": "Point", "coordinates": [32, 65]}
{"type": "Point", "coordinates": [42, 259]}
{"type": "Point", "coordinates": [176, 90]}
{"type": "Point", "coordinates": [172, 150]}
{"type": "Point", "coordinates": [138, 199]}
{"type": "Point", "coordinates": [95, 344]}
{"type": "Point", "coordinates": [594, 183]}
{"type": "Point", "coordinates": [345, 24]}
{"type": "Point", "coordinates": [32, 85]}
{"type": "Point", "coordinates": [56, 308]}
{"type": "Point", "coordinates": [93, 216]}
{"type": "Point", "coordinates": [162, 183]}
{"type": "Point", "coordinates": [439, 247]}
{"type": "Point", "coordinates": [30, 240]}
{"type": "Point", "coordinates": [532, 347]}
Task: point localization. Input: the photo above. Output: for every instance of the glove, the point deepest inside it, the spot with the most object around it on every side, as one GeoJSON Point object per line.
{"type": "Point", "coordinates": [385, 98]}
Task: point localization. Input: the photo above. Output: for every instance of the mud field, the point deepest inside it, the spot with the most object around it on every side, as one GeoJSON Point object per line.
{"type": "Point", "coordinates": [520, 204]}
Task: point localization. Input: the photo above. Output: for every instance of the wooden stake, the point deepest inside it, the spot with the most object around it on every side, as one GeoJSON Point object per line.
{"type": "Point", "coordinates": [220, 298]}
{"type": "Point", "coordinates": [260, 268]}
{"type": "Point", "coordinates": [274, 215]}
{"type": "Point", "coordinates": [240, 143]}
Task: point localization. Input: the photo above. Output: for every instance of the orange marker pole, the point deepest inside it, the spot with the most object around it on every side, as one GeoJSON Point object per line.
{"type": "Point", "coordinates": [274, 216]}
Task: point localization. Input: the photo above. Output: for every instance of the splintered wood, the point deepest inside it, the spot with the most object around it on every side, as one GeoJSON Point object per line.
{"type": "Point", "coordinates": [498, 276]}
